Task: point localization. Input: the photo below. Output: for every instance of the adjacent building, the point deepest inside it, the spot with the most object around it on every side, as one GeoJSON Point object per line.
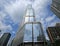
{"type": "Point", "coordinates": [31, 32]}
{"type": "Point", "coordinates": [4, 39]}
{"type": "Point", "coordinates": [54, 34]}
{"type": "Point", "coordinates": [55, 7]}
{"type": "Point", "coordinates": [57, 24]}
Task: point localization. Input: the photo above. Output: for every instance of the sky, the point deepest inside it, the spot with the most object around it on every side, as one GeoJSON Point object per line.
{"type": "Point", "coordinates": [12, 12]}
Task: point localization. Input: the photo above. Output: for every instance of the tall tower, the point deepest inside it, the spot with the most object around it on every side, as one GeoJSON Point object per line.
{"type": "Point", "coordinates": [31, 33]}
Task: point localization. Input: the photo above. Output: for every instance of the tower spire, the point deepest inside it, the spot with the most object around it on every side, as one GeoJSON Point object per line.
{"type": "Point", "coordinates": [29, 15]}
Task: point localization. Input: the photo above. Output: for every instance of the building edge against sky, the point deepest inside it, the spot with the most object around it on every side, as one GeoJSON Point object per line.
{"type": "Point", "coordinates": [55, 7]}
{"type": "Point", "coordinates": [31, 27]}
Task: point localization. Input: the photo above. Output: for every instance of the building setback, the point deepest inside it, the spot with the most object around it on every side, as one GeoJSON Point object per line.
{"type": "Point", "coordinates": [4, 39]}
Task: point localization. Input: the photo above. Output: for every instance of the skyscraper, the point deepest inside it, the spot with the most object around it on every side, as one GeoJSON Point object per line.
{"type": "Point", "coordinates": [4, 39]}
{"type": "Point", "coordinates": [56, 7]}
{"type": "Point", "coordinates": [54, 35]}
{"type": "Point", "coordinates": [31, 33]}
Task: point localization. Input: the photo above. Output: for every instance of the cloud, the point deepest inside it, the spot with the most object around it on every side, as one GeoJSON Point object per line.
{"type": "Point", "coordinates": [50, 18]}
{"type": "Point", "coordinates": [41, 10]}
{"type": "Point", "coordinates": [16, 10]}
{"type": "Point", "coordinates": [4, 27]}
{"type": "Point", "coordinates": [2, 15]}
{"type": "Point", "coordinates": [41, 4]}
{"type": "Point", "coordinates": [52, 24]}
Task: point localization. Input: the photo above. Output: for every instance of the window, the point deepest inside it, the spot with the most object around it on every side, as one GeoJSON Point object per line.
{"type": "Point", "coordinates": [27, 13]}
{"type": "Point", "coordinates": [31, 19]}
{"type": "Point", "coordinates": [28, 33]}
{"type": "Point", "coordinates": [26, 19]}
{"type": "Point", "coordinates": [32, 32]}
{"type": "Point", "coordinates": [31, 12]}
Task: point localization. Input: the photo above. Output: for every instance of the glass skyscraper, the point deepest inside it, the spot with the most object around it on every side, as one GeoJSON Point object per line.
{"type": "Point", "coordinates": [31, 32]}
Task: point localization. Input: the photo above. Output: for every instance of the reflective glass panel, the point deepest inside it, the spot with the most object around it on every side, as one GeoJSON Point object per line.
{"type": "Point", "coordinates": [31, 19]}
{"type": "Point", "coordinates": [28, 33]}
{"type": "Point", "coordinates": [26, 19]}
{"type": "Point", "coordinates": [37, 31]}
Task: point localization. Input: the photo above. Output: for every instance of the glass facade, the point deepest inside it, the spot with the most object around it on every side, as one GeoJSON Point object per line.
{"type": "Point", "coordinates": [28, 33]}
{"type": "Point", "coordinates": [32, 31]}
{"type": "Point", "coordinates": [29, 15]}
{"type": "Point", "coordinates": [29, 11]}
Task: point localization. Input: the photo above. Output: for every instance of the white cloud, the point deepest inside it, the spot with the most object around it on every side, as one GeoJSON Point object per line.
{"type": "Point", "coordinates": [16, 10]}
{"type": "Point", "coordinates": [40, 7]}
{"type": "Point", "coordinates": [4, 27]}
{"type": "Point", "coordinates": [50, 18]}
{"type": "Point", "coordinates": [40, 4]}
{"type": "Point", "coordinates": [52, 24]}
{"type": "Point", "coordinates": [13, 32]}
{"type": "Point", "coordinates": [2, 15]}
